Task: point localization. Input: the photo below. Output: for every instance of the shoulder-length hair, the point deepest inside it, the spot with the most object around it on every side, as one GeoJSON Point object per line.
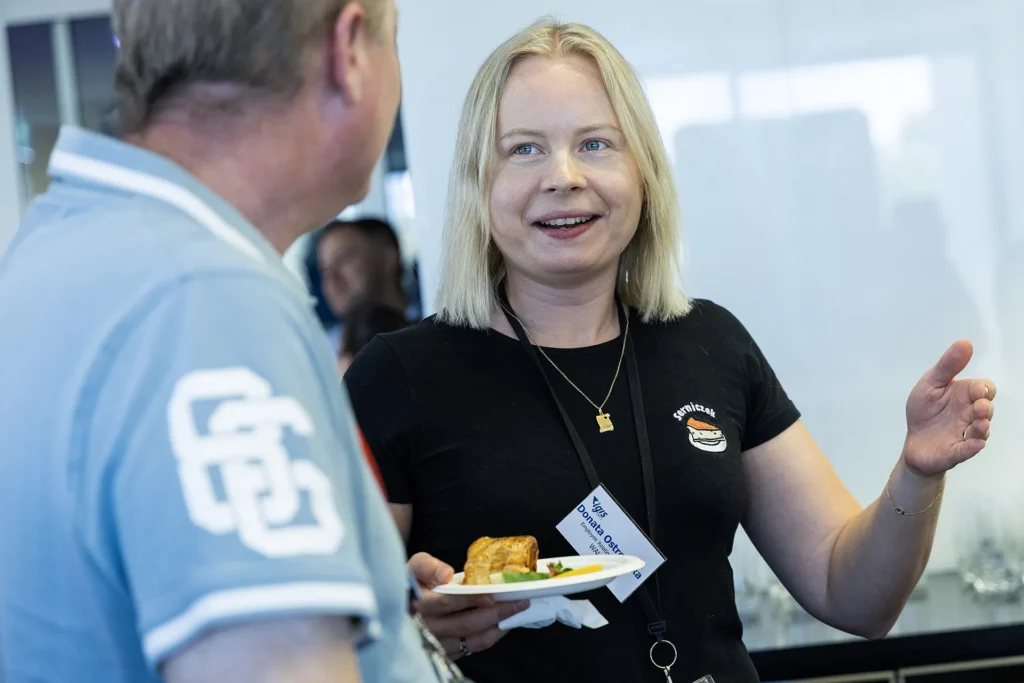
{"type": "Point", "coordinates": [649, 277]}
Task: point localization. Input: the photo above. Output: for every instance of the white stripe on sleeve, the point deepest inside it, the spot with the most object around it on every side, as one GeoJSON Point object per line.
{"type": "Point", "coordinates": [253, 602]}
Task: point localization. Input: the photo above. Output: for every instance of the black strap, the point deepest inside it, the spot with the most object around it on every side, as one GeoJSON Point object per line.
{"type": "Point", "coordinates": [656, 626]}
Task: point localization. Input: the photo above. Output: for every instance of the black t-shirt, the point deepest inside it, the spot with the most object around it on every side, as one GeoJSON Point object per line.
{"type": "Point", "coordinates": [465, 429]}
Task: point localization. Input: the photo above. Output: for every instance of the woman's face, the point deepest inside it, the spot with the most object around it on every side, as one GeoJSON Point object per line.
{"type": "Point", "coordinates": [566, 194]}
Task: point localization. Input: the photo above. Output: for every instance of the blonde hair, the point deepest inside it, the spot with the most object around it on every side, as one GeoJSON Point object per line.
{"type": "Point", "coordinates": [473, 266]}
{"type": "Point", "coordinates": [257, 48]}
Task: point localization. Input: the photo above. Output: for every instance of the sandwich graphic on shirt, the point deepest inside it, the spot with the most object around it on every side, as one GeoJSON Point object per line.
{"type": "Point", "coordinates": [706, 436]}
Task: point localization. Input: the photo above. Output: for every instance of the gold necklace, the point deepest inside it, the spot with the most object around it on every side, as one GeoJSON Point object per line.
{"type": "Point", "coordinates": [604, 420]}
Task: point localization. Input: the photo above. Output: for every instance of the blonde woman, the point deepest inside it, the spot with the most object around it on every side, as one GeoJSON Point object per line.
{"type": "Point", "coordinates": [561, 317]}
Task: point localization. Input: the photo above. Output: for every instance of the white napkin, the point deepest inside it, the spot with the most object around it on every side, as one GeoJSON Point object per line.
{"type": "Point", "coordinates": [543, 612]}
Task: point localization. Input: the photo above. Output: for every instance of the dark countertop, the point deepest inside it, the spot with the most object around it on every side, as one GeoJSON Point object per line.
{"type": "Point", "coordinates": [944, 624]}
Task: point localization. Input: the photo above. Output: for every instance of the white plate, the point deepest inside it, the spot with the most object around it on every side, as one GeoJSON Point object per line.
{"type": "Point", "coordinates": [614, 567]}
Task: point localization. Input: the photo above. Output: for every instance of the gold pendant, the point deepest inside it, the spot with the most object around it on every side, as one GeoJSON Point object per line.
{"type": "Point", "coordinates": [604, 423]}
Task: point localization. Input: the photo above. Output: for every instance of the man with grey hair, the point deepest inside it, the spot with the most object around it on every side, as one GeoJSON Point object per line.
{"type": "Point", "coordinates": [183, 494]}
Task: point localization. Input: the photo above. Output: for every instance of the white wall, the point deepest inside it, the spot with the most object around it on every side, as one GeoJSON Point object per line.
{"type": "Point", "coordinates": [851, 174]}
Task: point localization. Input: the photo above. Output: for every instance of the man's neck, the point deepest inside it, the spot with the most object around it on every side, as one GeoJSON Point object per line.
{"type": "Point", "coordinates": [250, 168]}
{"type": "Point", "coordinates": [563, 317]}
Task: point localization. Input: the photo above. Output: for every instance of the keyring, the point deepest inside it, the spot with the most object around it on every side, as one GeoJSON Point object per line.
{"type": "Point", "coordinates": [965, 435]}
{"type": "Point", "coordinates": [675, 655]}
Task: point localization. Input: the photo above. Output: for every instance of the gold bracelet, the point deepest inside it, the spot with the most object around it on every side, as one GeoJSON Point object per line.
{"type": "Point", "coordinates": [903, 513]}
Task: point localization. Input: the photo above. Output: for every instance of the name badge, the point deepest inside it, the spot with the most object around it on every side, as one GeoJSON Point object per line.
{"type": "Point", "coordinates": [599, 526]}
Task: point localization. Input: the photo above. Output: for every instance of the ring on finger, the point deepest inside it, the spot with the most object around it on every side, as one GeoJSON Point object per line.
{"type": "Point", "coordinates": [965, 435]}
{"type": "Point", "coordinates": [463, 648]}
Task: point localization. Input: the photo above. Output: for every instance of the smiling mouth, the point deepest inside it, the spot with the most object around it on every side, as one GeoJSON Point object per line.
{"type": "Point", "coordinates": [566, 223]}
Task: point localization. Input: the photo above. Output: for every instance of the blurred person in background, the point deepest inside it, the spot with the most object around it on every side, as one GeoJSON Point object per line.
{"type": "Point", "coordinates": [566, 356]}
{"type": "Point", "coordinates": [364, 322]}
{"type": "Point", "coordinates": [360, 260]}
{"type": "Point", "coordinates": [183, 495]}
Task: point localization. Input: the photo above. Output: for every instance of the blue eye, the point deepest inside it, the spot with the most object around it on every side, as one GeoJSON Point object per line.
{"type": "Point", "coordinates": [594, 145]}
{"type": "Point", "coordinates": [524, 150]}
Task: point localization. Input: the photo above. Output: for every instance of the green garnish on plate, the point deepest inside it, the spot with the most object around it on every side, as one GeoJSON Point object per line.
{"type": "Point", "coordinates": [556, 569]}
{"type": "Point", "coordinates": [520, 577]}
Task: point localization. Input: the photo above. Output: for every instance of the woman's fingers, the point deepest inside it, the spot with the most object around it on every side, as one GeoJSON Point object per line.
{"type": "Point", "coordinates": [430, 571]}
{"type": "Point", "coordinates": [473, 622]}
{"type": "Point", "coordinates": [457, 619]}
{"type": "Point", "coordinates": [437, 605]}
{"type": "Point", "coordinates": [475, 643]}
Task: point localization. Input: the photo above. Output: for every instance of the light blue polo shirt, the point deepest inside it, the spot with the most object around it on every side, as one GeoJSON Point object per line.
{"type": "Point", "coordinates": [176, 452]}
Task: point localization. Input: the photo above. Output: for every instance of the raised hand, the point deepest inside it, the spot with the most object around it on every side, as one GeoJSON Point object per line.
{"type": "Point", "coordinates": [948, 419]}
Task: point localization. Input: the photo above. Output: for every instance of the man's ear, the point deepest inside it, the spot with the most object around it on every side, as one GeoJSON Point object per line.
{"type": "Point", "coordinates": [348, 59]}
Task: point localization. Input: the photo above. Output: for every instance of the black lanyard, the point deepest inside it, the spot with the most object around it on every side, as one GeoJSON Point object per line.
{"type": "Point", "coordinates": [655, 624]}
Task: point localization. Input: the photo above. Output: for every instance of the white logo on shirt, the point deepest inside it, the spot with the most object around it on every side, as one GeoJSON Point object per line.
{"type": "Point", "coordinates": [693, 408]}
{"type": "Point", "coordinates": [704, 432]}
{"type": "Point", "coordinates": [244, 443]}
